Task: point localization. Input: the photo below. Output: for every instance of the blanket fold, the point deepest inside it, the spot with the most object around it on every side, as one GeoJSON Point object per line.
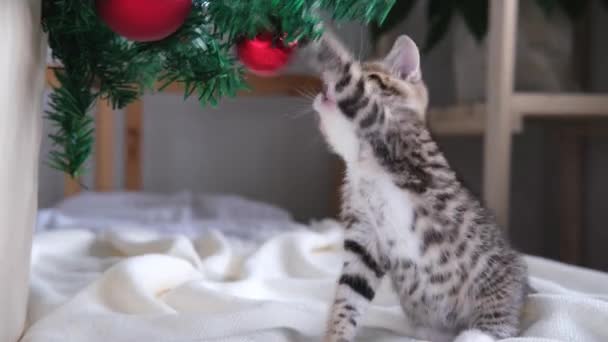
{"type": "Point", "coordinates": [135, 285]}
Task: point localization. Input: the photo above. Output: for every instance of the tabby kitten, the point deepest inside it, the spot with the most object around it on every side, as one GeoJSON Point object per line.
{"type": "Point", "coordinates": [405, 212]}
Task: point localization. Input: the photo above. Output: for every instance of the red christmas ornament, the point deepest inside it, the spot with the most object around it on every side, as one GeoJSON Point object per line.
{"type": "Point", "coordinates": [144, 20]}
{"type": "Point", "coordinates": [265, 54]}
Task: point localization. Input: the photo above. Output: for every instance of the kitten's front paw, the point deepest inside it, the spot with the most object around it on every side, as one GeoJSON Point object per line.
{"type": "Point", "coordinates": [474, 336]}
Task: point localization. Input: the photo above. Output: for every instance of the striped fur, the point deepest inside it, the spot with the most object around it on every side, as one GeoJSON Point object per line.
{"type": "Point", "coordinates": [406, 213]}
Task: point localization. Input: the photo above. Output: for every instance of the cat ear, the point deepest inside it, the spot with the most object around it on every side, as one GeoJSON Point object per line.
{"type": "Point", "coordinates": [404, 59]}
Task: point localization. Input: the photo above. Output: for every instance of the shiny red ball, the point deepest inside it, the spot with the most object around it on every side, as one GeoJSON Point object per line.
{"type": "Point", "coordinates": [265, 55]}
{"type": "Point", "coordinates": [144, 20]}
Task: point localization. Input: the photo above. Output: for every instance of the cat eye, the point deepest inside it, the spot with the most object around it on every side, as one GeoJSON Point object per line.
{"type": "Point", "coordinates": [378, 81]}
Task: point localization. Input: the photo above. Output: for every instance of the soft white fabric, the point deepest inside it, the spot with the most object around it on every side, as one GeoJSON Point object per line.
{"type": "Point", "coordinates": [474, 336]}
{"type": "Point", "coordinates": [134, 285]}
{"type": "Point", "coordinates": [181, 213]}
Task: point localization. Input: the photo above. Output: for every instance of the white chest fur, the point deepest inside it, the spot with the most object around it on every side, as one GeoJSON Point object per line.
{"type": "Point", "coordinates": [389, 209]}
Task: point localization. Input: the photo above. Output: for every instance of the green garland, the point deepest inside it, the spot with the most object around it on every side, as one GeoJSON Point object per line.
{"type": "Point", "coordinates": [99, 64]}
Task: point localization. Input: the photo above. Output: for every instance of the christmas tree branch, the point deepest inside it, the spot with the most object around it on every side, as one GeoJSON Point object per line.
{"type": "Point", "coordinates": [99, 64]}
{"type": "Point", "coordinates": [69, 106]}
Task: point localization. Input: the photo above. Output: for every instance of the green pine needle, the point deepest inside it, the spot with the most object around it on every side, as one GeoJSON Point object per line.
{"type": "Point", "coordinates": [68, 113]}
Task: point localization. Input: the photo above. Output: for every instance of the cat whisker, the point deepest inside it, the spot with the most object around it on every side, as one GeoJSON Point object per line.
{"type": "Point", "coordinates": [304, 100]}
{"type": "Point", "coordinates": [299, 113]}
{"type": "Point", "coordinates": [360, 43]}
{"type": "Point", "coordinates": [302, 114]}
{"type": "Point", "coordinates": [300, 106]}
{"type": "Point", "coordinates": [306, 93]}
{"type": "Point", "coordinates": [302, 92]}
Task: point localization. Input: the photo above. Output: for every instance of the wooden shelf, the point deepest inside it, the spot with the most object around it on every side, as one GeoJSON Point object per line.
{"type": "Point", "coordinates": [461, 119]}
{"type": "Point", "coordinates": [452, 120]}
{"type": "Point", "coordinates": [470, 119]}
{"type": "Point", "coordinates": [560, 104]}
{"type": "Point", "coordinates": [465, 119]}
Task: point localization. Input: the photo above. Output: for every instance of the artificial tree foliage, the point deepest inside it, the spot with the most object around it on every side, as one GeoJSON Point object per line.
{"type": "Point", "coordinates": [98, 64]}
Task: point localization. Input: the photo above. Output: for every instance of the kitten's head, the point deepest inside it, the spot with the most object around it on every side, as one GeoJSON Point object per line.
{"type": "Point", "coordinates": [396, 80]}
{"type": "Point", "coordinates": [369, 96]}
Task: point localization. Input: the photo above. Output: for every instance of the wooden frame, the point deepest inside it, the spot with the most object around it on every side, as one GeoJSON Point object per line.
{"type": "Point", "coordinates": [505, 108]}
{"type": "Point", "coordinates": [501, 66]}
{"type": "Point", "coordinates": [132, 150]}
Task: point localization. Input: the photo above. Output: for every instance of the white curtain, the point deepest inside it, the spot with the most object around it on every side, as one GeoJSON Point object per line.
{"type": "Point", "coordinates": [22, 58]}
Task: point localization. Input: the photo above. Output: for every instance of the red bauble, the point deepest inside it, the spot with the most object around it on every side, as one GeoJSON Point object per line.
{"type": "Point", "coordinates": [144, 20]}
{"type": "Point", "coordinates": [265, 54]}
